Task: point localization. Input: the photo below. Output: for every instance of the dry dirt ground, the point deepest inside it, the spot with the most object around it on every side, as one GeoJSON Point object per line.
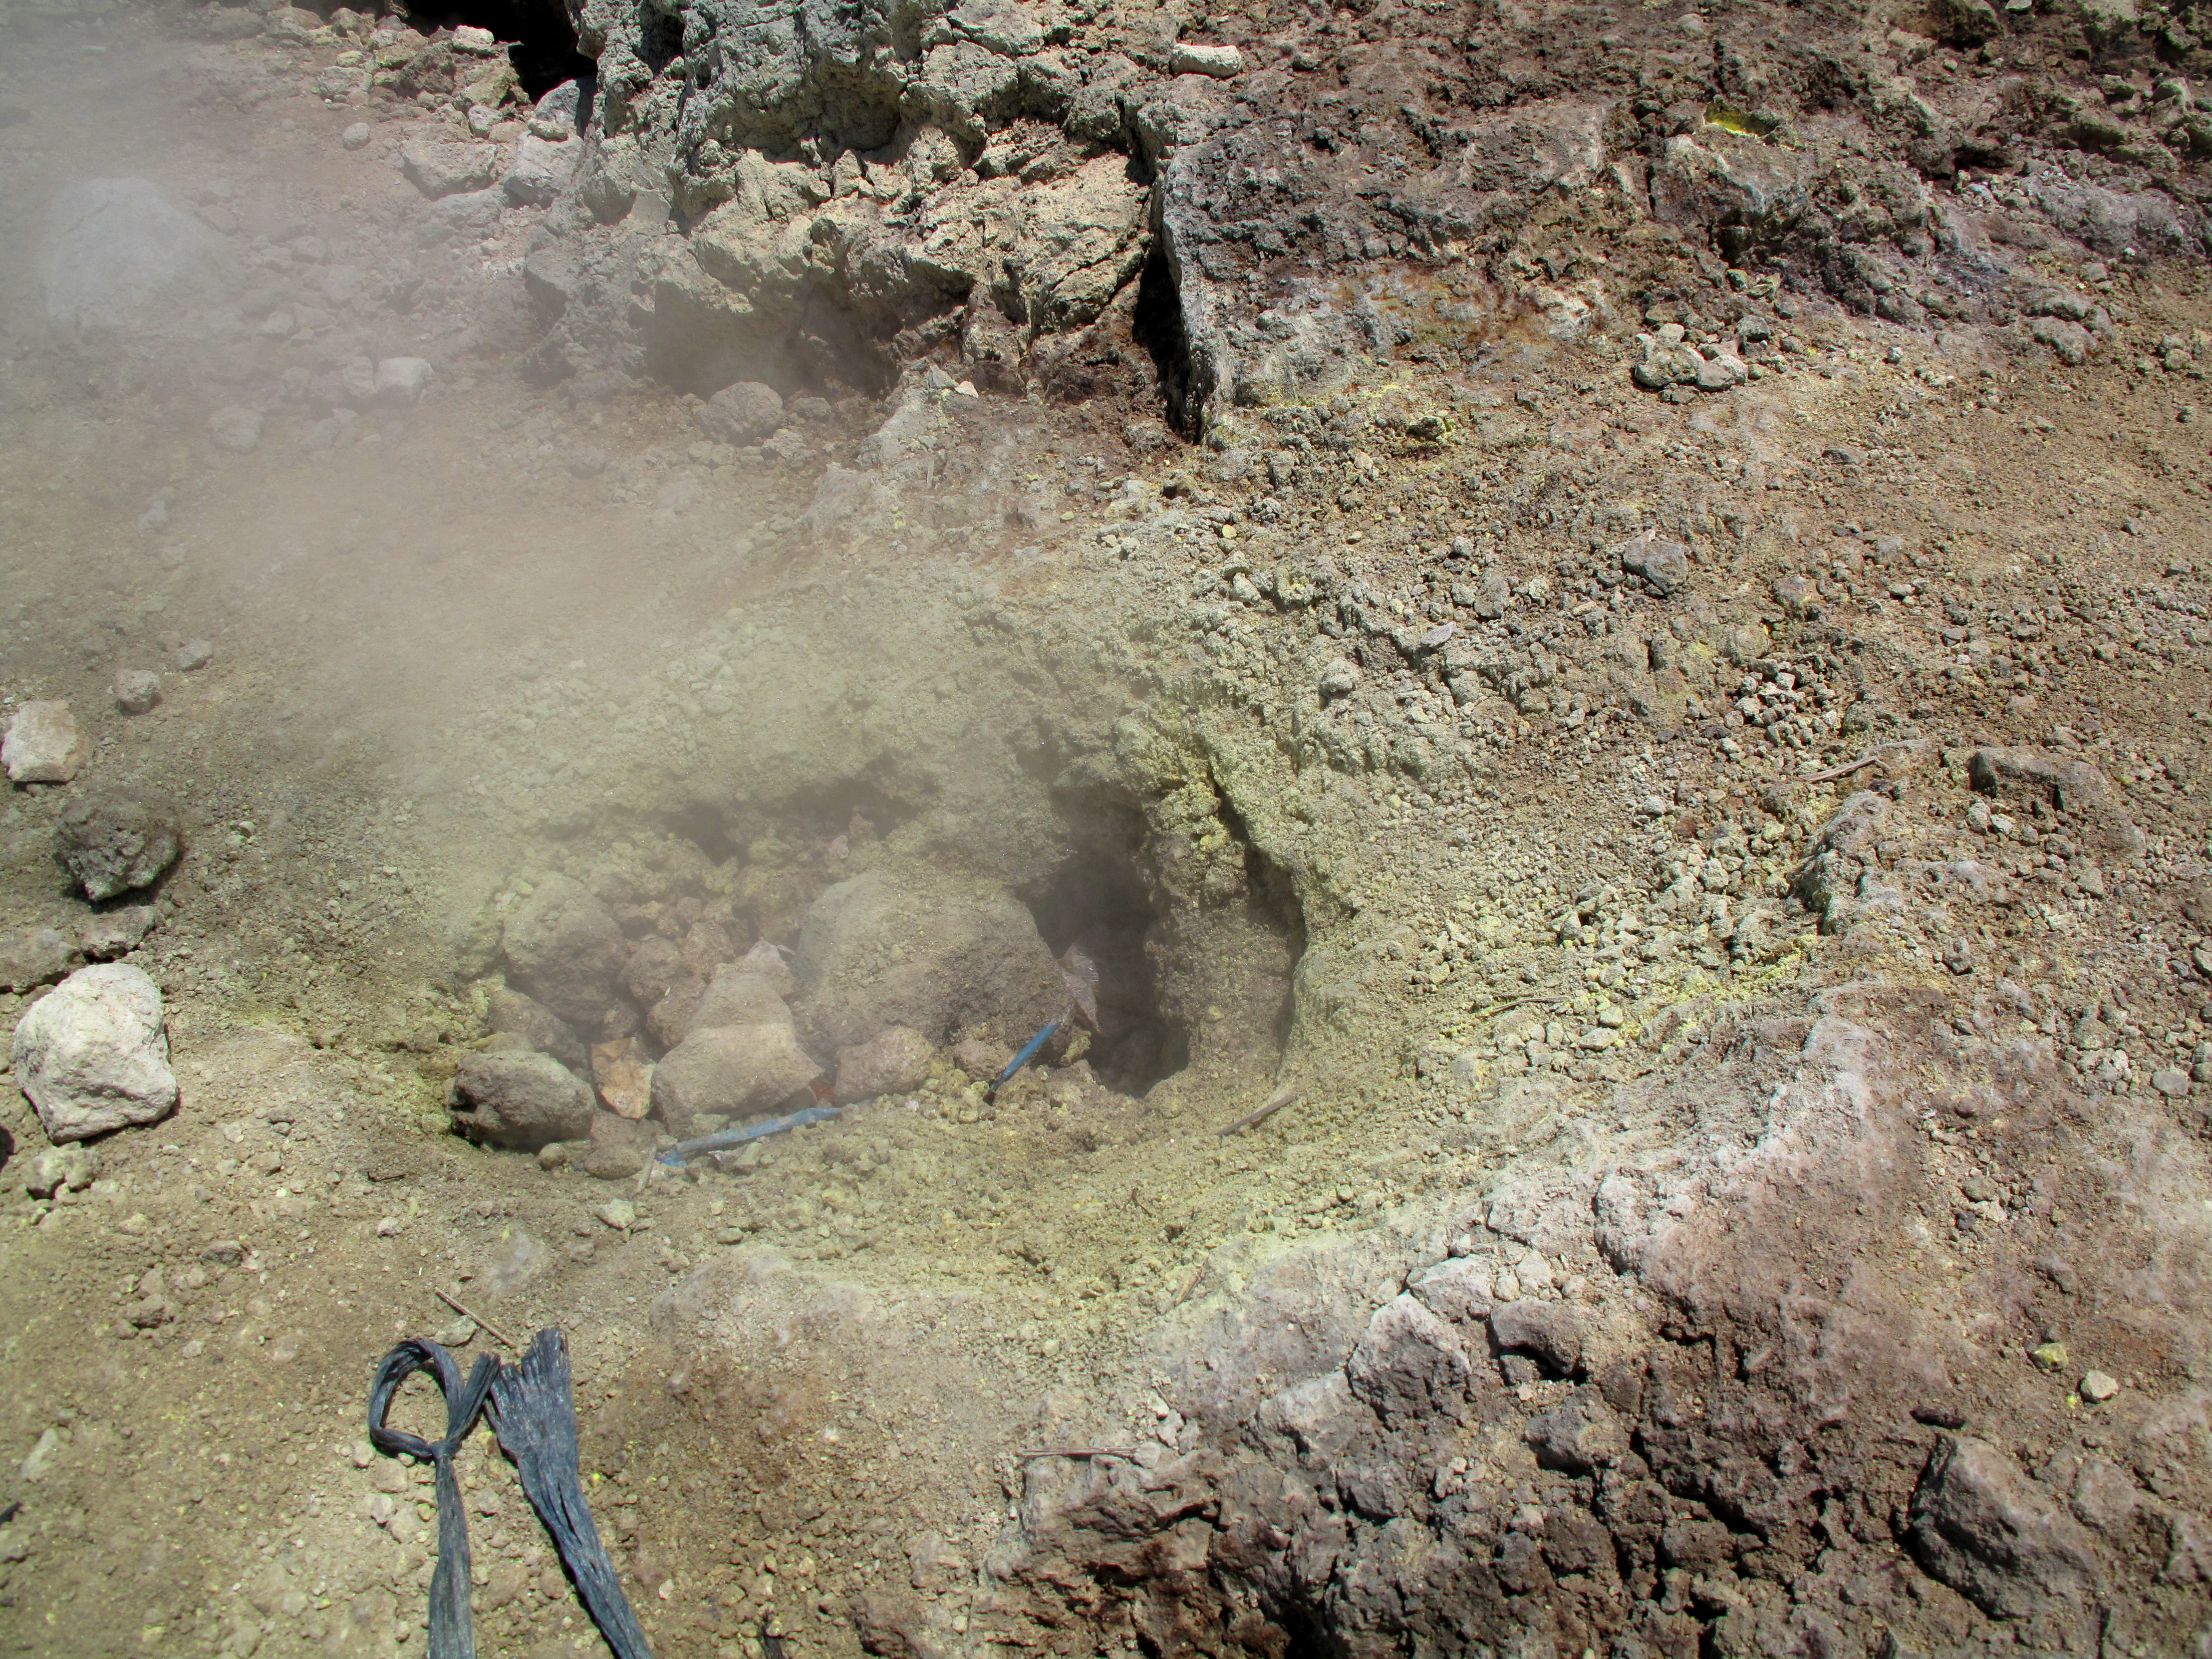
{"type": "Point", "coordinates": [1843, 1112]}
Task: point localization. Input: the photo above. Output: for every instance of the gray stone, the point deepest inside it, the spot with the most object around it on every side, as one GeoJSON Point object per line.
{"type": "Point", "coordinates": [738, 994]}
{"type": "Point", "coordinates": [1458, 1291]}
{"type": "Point", "coordinates": [1221, 63]}
{"type": "Point", "coordinates": [2171, 1081]}
{"type": "Point", "coordinates": [111, 933]}
{"type": "Point", "coordinates": [619, 1148]}
{"type": "Point", "coordinates": [92, 1055]}
{"type": "Point", "coordinates": [891, 1063]}
{"type": "Point", "coordinates": [193, 656]}
{"type": "Point", "coordinates": [566, 950]}
{"type": "Point", "coordinates": [1664, 564]}
{"type": "Point", "coordinates": [513, 1014]}
{"type": "Point", "coordinates": [114, 841]}
{"type": "Point", "coordinates": [1547, 1331]}
{"type": "Point", "coordinates": [742, 414]}
{"type": "Point", "coordinates": [1578, 1434]}
{"type": "Point", "coordinates": [43, 745]}
{"type": "Point", "coordinates": [655, 965]}
{"type": "Point", "coordinates": [520, 1100]}
{"type": "Point", "coordinates": [72, 1168]}
{"type": "Point", "coordinates": [734, 1072]}
{"type": "Point", "coordinates": [441, 167]}
{"type": "Point", "coordinates": [235, 428]}
{"type": "Point", "coordinates": [1409, 1364]}
{"type": "Point", "coordinates": [357, 136]}
{"type": "Point", "coordinates": [938, 952]}
{"type": "Point", "coordinates": [400, 381]}
{"type": "Point", "coordinates": [33, 956]}
{"type": "Point", "coordinates": [1981, 1526]}
{"type": "Point", "coordinates": [118, 254]}
{"type": "Point", "coordinates": [137, 691]}
{"type": "Point", "coordinates": [542, 168]}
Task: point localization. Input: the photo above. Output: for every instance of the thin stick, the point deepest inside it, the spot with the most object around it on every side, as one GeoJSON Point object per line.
{"type": "Point", "coordinates": [1075, 1451]}
{"type": "Point", "coordinates": [1276, 1102]}
{"type": "Point", "coordinates": [454, 1304]}
{"type": "Point", "coordinates": [1845, 770]}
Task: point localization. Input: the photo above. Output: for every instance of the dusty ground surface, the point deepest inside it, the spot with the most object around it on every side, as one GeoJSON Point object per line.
{"type": "Point", "coordinates": [1814, 1146]}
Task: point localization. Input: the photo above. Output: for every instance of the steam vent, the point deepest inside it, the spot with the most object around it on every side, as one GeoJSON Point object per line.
{"type": "Point", "coordinates": [1106, 830]}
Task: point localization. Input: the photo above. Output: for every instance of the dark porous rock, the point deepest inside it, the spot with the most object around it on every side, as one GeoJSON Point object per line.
{"type": "Point", "coordinates": [1981, 1526]}
{"type": "Point", "coordinates": [619, 1148]}
{"type": "Point", "coordinates": [1545, 1332]}
{"type": "Point", "coordinates": [113, 841]}
{"type": "Point", "coordinates": [520, 1100]}
{"type": "Point", "coordinates": [1664, 564]}
{"type": "Point", "coordinates": [513, 1014]}
{"type": "Point", "coordinates": [566, 950]}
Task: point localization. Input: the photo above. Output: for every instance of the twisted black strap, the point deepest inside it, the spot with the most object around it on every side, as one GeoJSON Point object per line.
{"type": "Point", "coordinates": [452, 1634]}
{"type": "Point", "coordinates": [535, 1419]}
{"type": "Point", "coordinates": [533, 1415]}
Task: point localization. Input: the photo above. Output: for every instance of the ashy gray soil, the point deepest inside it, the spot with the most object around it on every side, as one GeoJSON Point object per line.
{"type": "Point", "coordinates": [1569, 643]}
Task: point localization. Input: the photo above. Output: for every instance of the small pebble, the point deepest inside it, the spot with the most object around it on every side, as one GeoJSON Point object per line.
{"type": "Point", "coordinates": [2098, 1388]}
{"type": "Point", "coordinates": [356, 137]}
{"type": "Point", "coordinates": [193, 655]}
{"type": "Point", "coordinates": [137, 691]}
{"type": "Point", "coordinates": [617, 1213]}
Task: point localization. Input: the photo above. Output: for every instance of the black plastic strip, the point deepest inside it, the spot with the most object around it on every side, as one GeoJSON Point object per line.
{"type": "Point", "coordinates": [451, 1635]}
{"type": "Point", "coordinates": [534, 1415]}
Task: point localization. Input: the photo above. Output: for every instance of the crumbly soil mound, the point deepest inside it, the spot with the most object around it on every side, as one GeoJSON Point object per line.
{"type": "Point", "coordinates": [1627, 826]}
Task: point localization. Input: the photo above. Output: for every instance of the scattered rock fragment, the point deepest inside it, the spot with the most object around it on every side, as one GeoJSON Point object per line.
{"type": "Point", "coordinates": [1981, 1526]}
{"type": "Point", "coordinates": [732, 1071]}
{"type": "Point", "coordinates": [742, 414]}
{"type": "Point", "coordinates": [1664, 564]}
{"type": "Point", "coordinates": [566, 950]}
{"type": "Point", "coordinates": [517, 1100]}
{"type": "Point", "coordinates": [137, 690]}
{"type": "Point", "coordinates": [33, 956]}
{"type": "Point", "coordinates": [193, 656]}
{"type": "Point", "coordinates": [93, 1056]}
{"type": "Point", "coordinates": [71, 1167]}
{"type": "Point", "coordinates": [108, 934]}
{"type": "Point", "coordinates": [1545, 1332]}
{"type": "Point", "coordinates": [439, 167]}
{"type": "Point", "coordinates": [114, 841]}
{"type": "Point", "coordinates": [236, 429]}
{"type": "Point", "coordinates": [43, 745]}
{"type": "Point", "coordinates": [891, 1063]}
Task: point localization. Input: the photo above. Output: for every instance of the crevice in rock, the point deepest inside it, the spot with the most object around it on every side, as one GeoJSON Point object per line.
{"type": "Point", "coordinates": [544, 53]}
{"type": "Point", "coordinates": [1158, 327]}
{"type": "Point", "coordinates": [1100, 900]}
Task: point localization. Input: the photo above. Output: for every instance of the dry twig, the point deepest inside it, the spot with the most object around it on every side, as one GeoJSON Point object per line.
{"type": "Point", "coordinates": [1276, 1102]}
{"type": "Point", "coordinates": [483, 1323]}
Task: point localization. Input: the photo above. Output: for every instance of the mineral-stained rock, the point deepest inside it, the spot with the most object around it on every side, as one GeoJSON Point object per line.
{"type": "Point", "coordinates": [1980, 1524]}
{"type": "Point", "coordinates": [520, 1100]}
{"type": "Point", "coordinates": [92, 1055]}
{"type": "Point", "coordinates": [115, 840]}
